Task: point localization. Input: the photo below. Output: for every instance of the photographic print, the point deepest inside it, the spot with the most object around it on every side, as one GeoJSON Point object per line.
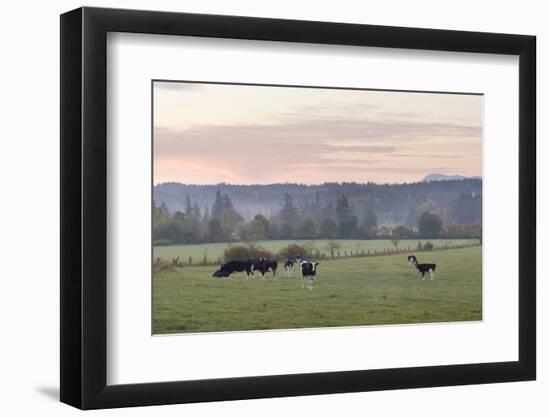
{"type": "Point", "coordinates": [292, 207]}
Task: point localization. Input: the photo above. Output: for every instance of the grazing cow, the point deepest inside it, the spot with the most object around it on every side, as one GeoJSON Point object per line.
{"type": "Point", "coordinates": [309, 272]}
{"type": "Point", "coordinates": [231, 267]}
{"type": "Point", "coordinates": [424, 268]}
{"type": "Point", "coordinates": [263, 265]}
{"type": "Point", "coordinates": [257, 264]}
{"type": "Point", "coordinates": [412, 260]}
{"type": "Point", "coordinates": [289, 264]}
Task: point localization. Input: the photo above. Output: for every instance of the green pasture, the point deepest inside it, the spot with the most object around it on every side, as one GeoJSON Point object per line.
{"type": "Point", "coordinates": [347, 292]}
{"type": "Point", "coordinates": [215, 250]}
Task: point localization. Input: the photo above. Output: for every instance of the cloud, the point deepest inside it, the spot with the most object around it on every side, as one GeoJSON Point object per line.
{"type": "Point", "coordinates": [306, 149]}
{"type": "Point", "coordinates": [332, 108]}
{"type": "Point", "coordinates": [426, 155]}
{"type": "Point", "coordinates": [360, 148]}
{"type": "Point", "coordinates": [307, 136]}
{"type": "Point", "coordinates": [404, 115]}
{"type": "Point", "coordinates": [324, 140]}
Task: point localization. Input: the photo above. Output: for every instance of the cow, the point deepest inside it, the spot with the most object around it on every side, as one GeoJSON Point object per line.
{"type": "Point", "coordinates": [259, 265]}
{"type": "Point", "coordinates": [263, 265]}
{"type": "Point", "coordinates": [272, 264]}
{"type": "Point", "coordinates": [233, 266]}
{"type": "Point", "coordinates": [424, 268]}
{"type": "Point", "coordinates": [309, 269]}
{"type": "Point", "coordinates": [289, 264]}
{"type": "Point", "coordinates": [309, 272]}
{"type": "Point", "coordinates": [412, 260]}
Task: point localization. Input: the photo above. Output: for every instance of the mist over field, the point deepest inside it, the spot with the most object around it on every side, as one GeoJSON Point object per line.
{"type": "Point", "coordinates": [454, 201]}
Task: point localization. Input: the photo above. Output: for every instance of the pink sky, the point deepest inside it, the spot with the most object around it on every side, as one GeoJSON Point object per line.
{"type": "Point", "coordinates": [212, 133]}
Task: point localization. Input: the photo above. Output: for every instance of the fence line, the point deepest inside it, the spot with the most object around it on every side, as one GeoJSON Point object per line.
{"type": "Point", "coordinates": [204, 261]}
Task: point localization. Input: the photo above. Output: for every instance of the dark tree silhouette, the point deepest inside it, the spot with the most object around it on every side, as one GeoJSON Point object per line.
{"type": "Point", "coordinates": [289, 212]}
{"type": "Point", "coordinates": [430, 224]}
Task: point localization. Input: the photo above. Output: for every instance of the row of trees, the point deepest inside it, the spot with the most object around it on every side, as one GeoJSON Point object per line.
{"type": "Point", "coordinates": [224, 224]}
{"type": "Point", "coordinates": [455, 202]}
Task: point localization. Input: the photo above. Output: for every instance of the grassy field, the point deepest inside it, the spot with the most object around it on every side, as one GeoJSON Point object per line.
{"type": "Point", "coordinates": [215, 250]}
{"type": "Point", "coordinates": [348, 292]}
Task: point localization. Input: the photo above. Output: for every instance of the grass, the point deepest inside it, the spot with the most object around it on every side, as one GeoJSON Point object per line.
{"type": "Point", "coordinates": [215, 250]}
{"type": "Point", "coordinates": [348, 292]}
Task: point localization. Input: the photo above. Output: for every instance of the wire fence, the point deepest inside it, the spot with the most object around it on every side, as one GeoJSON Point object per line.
{"type": "Point", "coordinates": [163, 264]}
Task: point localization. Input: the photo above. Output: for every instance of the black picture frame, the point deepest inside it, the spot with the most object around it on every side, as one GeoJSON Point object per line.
{"type": "Point", "coordinates": [84, 207]}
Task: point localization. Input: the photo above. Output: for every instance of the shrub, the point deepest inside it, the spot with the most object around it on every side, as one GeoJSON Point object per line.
{"type": "Point", "coordinates": [244, 252]}
{"type": "Point", "coordinates": [428, 246]}
{"type": "Point", "coordinates": [309, 246]}
{"type": "Point", "coordinates": [292, 251]}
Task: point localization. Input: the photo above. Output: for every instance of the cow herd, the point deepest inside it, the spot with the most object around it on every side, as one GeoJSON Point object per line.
{"type": "Point", "coordinates": [307, 269]}
{"type": "Point", "coordinates": [261, 266]}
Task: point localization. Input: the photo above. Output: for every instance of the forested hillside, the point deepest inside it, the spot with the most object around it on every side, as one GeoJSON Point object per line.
{"type": "Point", "coordinates": [226, 212]}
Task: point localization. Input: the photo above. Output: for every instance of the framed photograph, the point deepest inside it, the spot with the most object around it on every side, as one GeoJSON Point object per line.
{"type": "Point", "coordinates": [256, 208]}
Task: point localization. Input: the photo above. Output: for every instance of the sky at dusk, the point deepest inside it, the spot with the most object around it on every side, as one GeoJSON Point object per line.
{"type": "Point", "coordinates": [213, 133]}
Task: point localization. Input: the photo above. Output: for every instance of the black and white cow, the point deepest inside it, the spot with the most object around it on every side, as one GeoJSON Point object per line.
{"type": "Point", "coordinates": [309, 272]}
{"type": "Point", "coordinates": [309, 269]}
{"type": "Point", "coordinates": [232, 267]}
{"type": "Point", "coordinates": [425, 268]}
{"type": "Point", "coordinates": [263, 265]}
{"type": "Point", "coordinates": [289, 264]}
{"type": "Point", "coordinates": [412, 260]}
{"type": "Point", "coordinates": [257, 264]}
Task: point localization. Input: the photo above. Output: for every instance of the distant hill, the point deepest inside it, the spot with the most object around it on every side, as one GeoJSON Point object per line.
{"type": "Point", "coordinates": [443, 177]}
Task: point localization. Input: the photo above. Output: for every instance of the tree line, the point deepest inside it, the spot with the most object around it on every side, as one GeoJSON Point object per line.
{"type": "Point", "coordinates": [317, 219]}
{"type": "Point", "coordinates": [455, 201]}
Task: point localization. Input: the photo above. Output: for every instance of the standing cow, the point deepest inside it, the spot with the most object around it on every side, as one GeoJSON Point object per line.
{"type": "Point", "coordinates": [309, 272]}
{"type": "Point", "coordinates": [289, 264]}
{"type": "Point", "coordinates": [425, 268]}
